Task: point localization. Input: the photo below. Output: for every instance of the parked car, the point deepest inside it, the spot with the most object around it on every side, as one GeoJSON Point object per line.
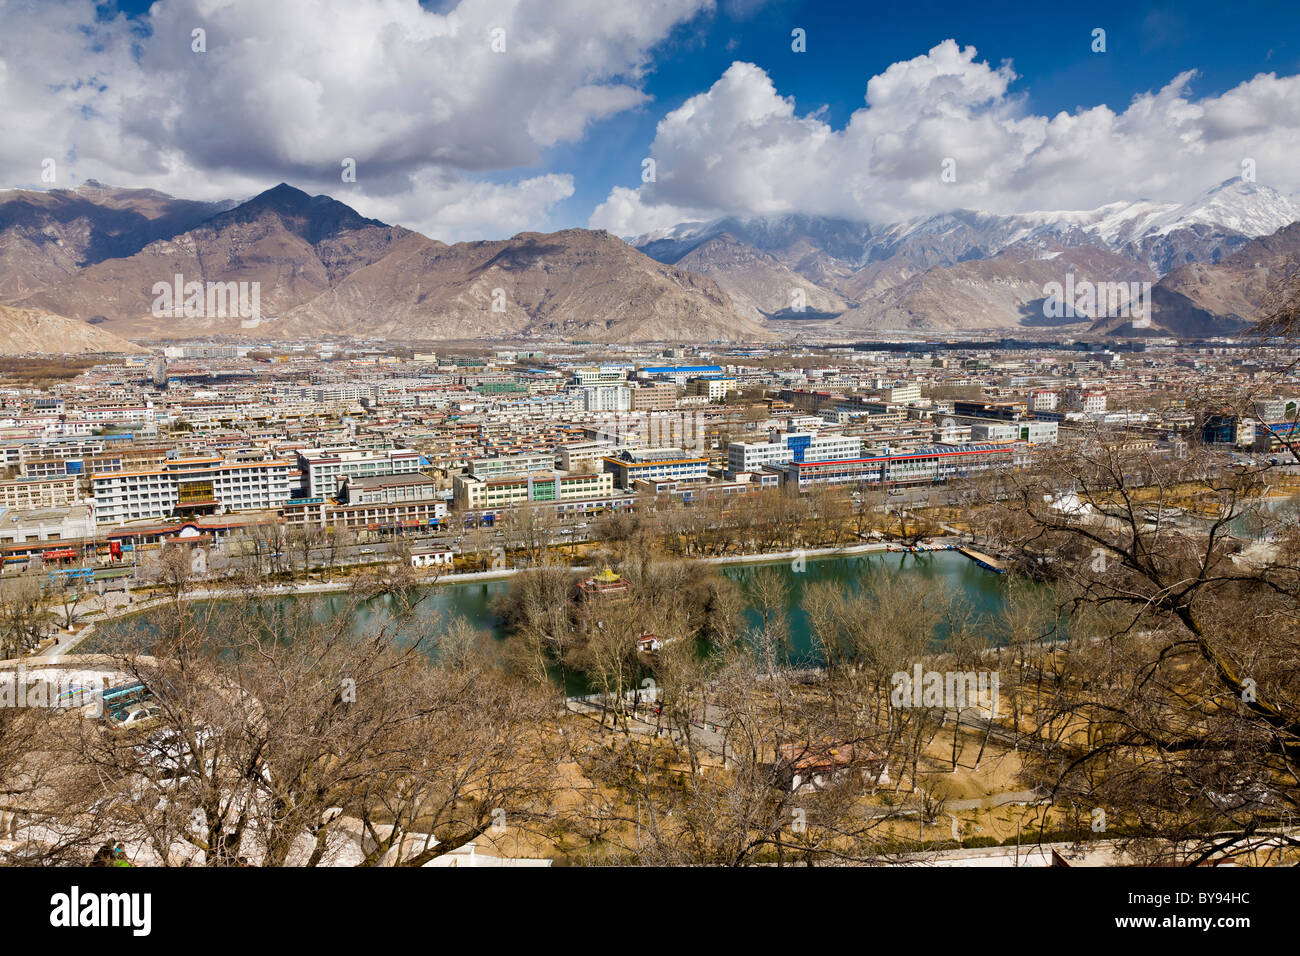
{"type": "Point", "coordinates": [134, 714]}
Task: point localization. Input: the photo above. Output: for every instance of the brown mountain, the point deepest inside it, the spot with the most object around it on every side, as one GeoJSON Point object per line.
{"type": "Point", "coordinates": [294, 245]}
{"type": "Point", "coordinates": [28, 331]}
{"type": "Point", "coordinates": [1005, 291]}
{"type": "Point", "coordinates": [47, 237]}
{"type": "Point", "coordinates": [576, 283]}
{"type": "Point", "coordinates": [758, 284]}
{"type": "Point", "coordinates": [321, 268]}
{"type": "Point", "coordinates": [1204, 299]}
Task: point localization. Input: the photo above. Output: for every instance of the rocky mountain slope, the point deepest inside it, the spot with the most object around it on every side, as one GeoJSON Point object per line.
{"type": "Point", "coordinates": [318, 267]}
{"type": "Point", "coordinates": [758, 284]}
{"type": "Point", "coordinates": [27, 331]}
{"type": "Point", "coordinates": [575, 283]}
{"type": "Point", "coordinates": [1211, 299]}
{"type": "Point", "coordinates": [919, 273]}
{"type": "Point", "coordinates": [48, 237]}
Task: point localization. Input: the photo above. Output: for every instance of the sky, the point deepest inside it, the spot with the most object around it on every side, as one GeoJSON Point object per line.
{"type": "Point", "coordinates": [479, 119]}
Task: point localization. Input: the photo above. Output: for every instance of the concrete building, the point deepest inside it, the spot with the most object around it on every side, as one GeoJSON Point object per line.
{"type": "Point", "coordinates": [654, 464]}
{"type": "Point", "coordinates": [473, 493]}
{"type": "Point", "coordinates": [432, 557]}
{"type": "Point", "coordinates": [1044, 400]}
{"type": "Point", "coordinates": [901, 393]}
{"type": "Point", "coordinates": [748, 456]}
{"type": "Point", "coordinates": [601, 374]}
{"type": "Point", "coordinates": [511, 465]}
{"type": "Point", "coordinates": [190, 486]}
{"type": "Point", "coordinates": [659, 397]}
{"type": "Point", "coordinates": [712, 387]}
{"type": "Point", "coordinates": [28, 493]}
{"type": "Point", "coordinates": [389, 489]}
{"type": "Point", "coordinates": [606, 398]}
{"type": "Point", "coordinates": [324, 470]}
{"type": "Point", "coordinates": [1090, 401]}
{"type": "Point", "coordinates": [923, 465]}
{"type": "Point", "coordinates": [47, 524]}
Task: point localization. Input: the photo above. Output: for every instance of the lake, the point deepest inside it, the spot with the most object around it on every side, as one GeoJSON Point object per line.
{"type": "Point", "coordinates": [475, 600]}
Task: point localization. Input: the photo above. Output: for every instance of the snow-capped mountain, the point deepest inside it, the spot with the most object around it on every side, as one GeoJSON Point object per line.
{"type": "Point", "coordinates": [1160, 235]}
{"type": "Point", "coordinates": [921, 272]}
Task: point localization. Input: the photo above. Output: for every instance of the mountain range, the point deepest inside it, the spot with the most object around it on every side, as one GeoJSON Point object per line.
{"type": "Point", "coordinates": [970, 270]}
{"type": "Point", "coordinates": [97, 257]}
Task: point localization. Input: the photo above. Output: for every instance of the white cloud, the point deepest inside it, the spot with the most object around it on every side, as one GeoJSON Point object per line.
{"type": "Point", "coordinates": [624, 213]}
{"type": "Point", "coordinates": [287, 89]}
{"type": "Point", "coordinates": [453, 209]}
{"type": "Point", "coordinates": [741, 147]}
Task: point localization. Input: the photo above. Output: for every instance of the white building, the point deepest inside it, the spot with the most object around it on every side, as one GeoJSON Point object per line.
{"type": "Point", "coordinates": [748, 456]}
{"type": "Point", "coordinates": [187, 486]}
{"type": "Point", "coordinates": [606, 398]}
{"type": "Point", "coordinates": [1044, 400]}
{"type": "Point", "coordinates": [323, 470]}
{"type": "Point", "coordinates": [432, 557]}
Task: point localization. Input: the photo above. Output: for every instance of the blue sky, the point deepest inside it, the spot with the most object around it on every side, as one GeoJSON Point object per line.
{"type": "Point", "coordinates": [458, 144]}
{"type": "Point", "coordinates": [1049, 46]}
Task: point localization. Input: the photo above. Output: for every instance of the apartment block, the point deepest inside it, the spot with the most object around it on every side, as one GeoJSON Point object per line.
{"type": "Point", "coordinates": [655, 464]}
{"type": "Point", "coordinates": [325, 470]}
{"type": "Point", "coordinates": [511, 465]}
{"type": "Point", "coordinates": [190, 486]}
{"type": "Point", "coordinates": [27, 493]}
{"type": "Point", "coordinates": [474, 493]}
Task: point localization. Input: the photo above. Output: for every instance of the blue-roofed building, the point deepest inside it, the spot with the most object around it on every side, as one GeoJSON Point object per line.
{"type": "Point", "coordinates": [678, 373]}
{"type": "Point", "coordinates": [925, 465]}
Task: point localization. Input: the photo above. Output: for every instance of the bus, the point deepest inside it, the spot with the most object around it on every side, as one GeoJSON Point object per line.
{"type": "Point", "coordinates": [119, 698]}
{"type": "Point", "coordinates": [72, 574]}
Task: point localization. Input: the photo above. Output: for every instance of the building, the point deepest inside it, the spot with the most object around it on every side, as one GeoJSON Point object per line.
{"type": "Point", "coordinates": [190, 486]}
{"type": "Point", "coordinates": [783, 447]}
{"type": "Point", "coordinates": [809, 766]}
{"type": "Point", "coordinates": [653, 464]}
{"type": "Point", "coordinates": [1223, 429]}
{"type": "Point", "coordinates": [325, 470]}
{"type": "Point", "coordinates": [658, 397]}
{"type": "Point", "coordinates": [1003, 411]}
{"type": "Point", "coordinates": [19, 527]}
{"type": "Point", "coordinates": [901, 393]}
{"type": "Point", "coordinates": [29, 493]}
{"type": "Point", "coordinates": [389, 490]}
{"type": "Point", "coordinates": [1090, 401]}
{"type": "Point", "coordinates": [808, 446]}
{"type": "Point", "coordinates": [432, 557]}
{"type": "Point", "coordinates": [678, 374]}
{"type": "Point", "coordinates": [472, 493]}
{"type": "Point", "coordinates": [712, 387]}
{"type": "Point", "coordinates": [751, 456]}
{"type": "Point", "coordinates": [377, 516]}
{"type": "Point", "coordinates": [511, 465]}
{"type": "Point", "coordinates": [607, 585]}
{"type": "Point", "coordinates": [606, 398]}
{"type": "Point", "coordinates": [923, 465]}
{"type": "Point", "coordinates": [1044, 400]}
{"type": "Point", "coordinates": [584, 455]}
{"type": "Point", "coordinates": [988, 429]}
{"type": "Point", "coordinates": [601, 374]}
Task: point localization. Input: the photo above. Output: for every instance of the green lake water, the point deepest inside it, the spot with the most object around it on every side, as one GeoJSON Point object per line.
{"type": "Point", "coordinates": [476, 601]}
